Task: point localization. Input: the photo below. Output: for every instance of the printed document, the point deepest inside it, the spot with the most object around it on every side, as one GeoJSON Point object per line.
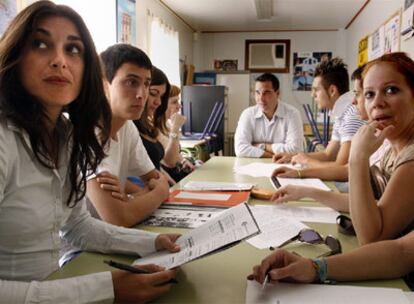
{"type": "Point", "coordinates": [286, 293]}
{"type": "Point", "coordinates": [233, 225]}
{"type": "Point", "coordinates": [181, 216]}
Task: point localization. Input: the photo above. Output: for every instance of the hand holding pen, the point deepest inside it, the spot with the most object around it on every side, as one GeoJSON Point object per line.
{"type": "Point", "coordinates": [284, 266]}
{"type": "Point", "coordinates": [142, 284]}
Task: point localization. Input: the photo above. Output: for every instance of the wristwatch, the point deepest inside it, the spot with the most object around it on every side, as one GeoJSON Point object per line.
{"type": "Point", "coordinates": [173, 135]}
{"type": "Point", "coordinates": [262, 146]}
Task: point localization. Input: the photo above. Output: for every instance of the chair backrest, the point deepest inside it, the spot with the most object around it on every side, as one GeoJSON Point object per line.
{"type": "Point", "coordinates": [217, 118]}
{"type": "Point", "coordinates": [210, 120]}
{"type": "Point", "coordinates": [312, 122]}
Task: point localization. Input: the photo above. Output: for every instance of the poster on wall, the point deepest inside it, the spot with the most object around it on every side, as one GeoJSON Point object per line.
{"type": "Point", "coordinates": [304, 64]}
{"type": "Point", "coordinates": [126, 21]}
{"type": "Point", "coordinates": [363, 51]}
{"type": "Point", "coordinates": [407, 22]}
{"type": "Point", "coordinates": [376, 44]}
{"type": "Point", "coordinates": [7, 13]}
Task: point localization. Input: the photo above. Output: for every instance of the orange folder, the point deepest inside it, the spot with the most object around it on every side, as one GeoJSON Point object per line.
{"type": "Point", "coordinates": [234, 199]}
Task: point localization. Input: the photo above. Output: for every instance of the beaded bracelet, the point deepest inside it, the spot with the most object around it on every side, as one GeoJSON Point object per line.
{"type": "Point", "coordinates": [321, 268]}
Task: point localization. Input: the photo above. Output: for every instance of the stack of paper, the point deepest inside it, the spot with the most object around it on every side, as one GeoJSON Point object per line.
{"type": "Point", "coordinates": [218, 186]}
{"type": "Point", "coordinates": [260, 169]}
{"type": "Point", "coordinates": [278, 182]}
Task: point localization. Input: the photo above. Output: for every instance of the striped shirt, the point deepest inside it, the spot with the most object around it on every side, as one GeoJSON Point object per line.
{"type": "Point", "coordinates": [347, 119]}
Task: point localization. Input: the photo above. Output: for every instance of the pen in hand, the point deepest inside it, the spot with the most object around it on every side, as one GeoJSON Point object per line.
{"type": "Point", "coordinates": [134, 270]}
{"type": "Point", "coordinates": [266, 280]}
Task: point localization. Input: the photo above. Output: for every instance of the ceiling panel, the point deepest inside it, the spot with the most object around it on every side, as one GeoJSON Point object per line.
{"type": "Point", "coordinates": [240, 15]}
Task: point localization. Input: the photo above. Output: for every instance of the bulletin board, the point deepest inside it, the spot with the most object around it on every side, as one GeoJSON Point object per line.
{"type": "Point", "coordinates": [385, 39]}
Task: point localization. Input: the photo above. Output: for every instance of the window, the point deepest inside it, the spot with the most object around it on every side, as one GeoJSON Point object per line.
{"type": "Point", "coordinates": [164, 49]}
{"type": "Point", "coordinates": [99, 17]}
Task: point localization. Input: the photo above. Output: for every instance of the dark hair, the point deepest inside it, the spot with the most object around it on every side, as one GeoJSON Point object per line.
{"type": "Point", "coordinates": [152, 125]}
{"type": "Point", "coordinates": [333, 72]}
{"type": "Point", "coordinates": [89, 111]}
{"type": "Point", "coordinates": [116, 55]}
{"type": "Point", "coordinates": [269, 77]}
{"type": "Point", "coordinates": [400, 61]}
{"type": "Point", "coordinates": [357, 74]}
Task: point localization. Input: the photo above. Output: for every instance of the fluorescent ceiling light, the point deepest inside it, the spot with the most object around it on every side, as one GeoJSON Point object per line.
{"type": "Point", "coordinates": [264, 9]}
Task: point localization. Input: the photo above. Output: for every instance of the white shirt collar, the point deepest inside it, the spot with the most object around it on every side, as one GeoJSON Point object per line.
{"type": "Point", "coordinates": [341, 104]}
{"type": "Point", "coordinates": [280, 111]}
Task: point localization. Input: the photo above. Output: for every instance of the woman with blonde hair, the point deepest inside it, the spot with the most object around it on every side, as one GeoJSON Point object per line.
{"type": "Point", "coordinates": [173, 162]}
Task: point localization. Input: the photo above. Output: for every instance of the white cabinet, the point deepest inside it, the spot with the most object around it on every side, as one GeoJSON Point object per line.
{"type": "Point", "coordinates": [238, 95]}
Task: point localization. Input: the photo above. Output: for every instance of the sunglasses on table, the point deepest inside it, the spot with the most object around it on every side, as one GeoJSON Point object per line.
{"type": "Point", "coordinates": [311, 236]}
{"type": "Point", "coordinates": [345, 225]}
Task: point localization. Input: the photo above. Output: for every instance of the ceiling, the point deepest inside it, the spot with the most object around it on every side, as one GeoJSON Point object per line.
{"type": "Point", "coordinates": [240, 15]}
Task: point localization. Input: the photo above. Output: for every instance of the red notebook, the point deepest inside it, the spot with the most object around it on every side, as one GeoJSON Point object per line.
{"type": "Point", "coordinates": [208, 198]}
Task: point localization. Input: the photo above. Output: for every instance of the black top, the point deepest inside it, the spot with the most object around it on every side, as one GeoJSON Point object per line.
{"type": "Point", "coordinates": [155, 151]}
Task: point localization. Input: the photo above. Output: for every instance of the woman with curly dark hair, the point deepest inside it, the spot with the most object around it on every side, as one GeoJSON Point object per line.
{"type": "Point", "coordinates": [52, 105]}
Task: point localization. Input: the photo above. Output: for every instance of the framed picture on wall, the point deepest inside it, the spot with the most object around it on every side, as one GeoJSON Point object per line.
{"type": "Point", "coordinates": [267, 56]}
{"type": "Point", "coordinates": [126, 21]}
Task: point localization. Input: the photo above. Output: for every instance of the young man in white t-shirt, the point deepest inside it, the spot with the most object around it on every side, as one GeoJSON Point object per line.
{"type": "Point", "coordinates": [114, 198]}
{"type": "Point", "coordinates": [330, 91]}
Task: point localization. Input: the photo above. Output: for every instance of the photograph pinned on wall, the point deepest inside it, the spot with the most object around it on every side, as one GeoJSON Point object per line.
{"type": "Point", "coordinates": [376, 43]}
{"type": "Point", "coordinates": [304, 64]}
{"type": "Point", "coordinates": [226, 65]}
{"type": "Point", "coordinates": [126, 21]}
{"type": "Point", "coordinates": [392, 34]}
{"type": "Point", "coordinates": [407, 21]}
{"type": "Point", "coordinates": [7, 12]}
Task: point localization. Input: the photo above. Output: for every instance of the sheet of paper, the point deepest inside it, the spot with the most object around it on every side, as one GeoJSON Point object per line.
{"type": "Point", "coordinates": [275, 230]}
{"type": "Point", "coordinates": [303, 214]}
{"type": "Point", "coordinates": [409, 296]}
{"type": "Point", "coordinates": [234, 224]}
{"type": "Point", "coordinates": [285, 293]}
{"type": "Point", "coordinates": [179, 216]}
{"type": "Point", "coordinates": [307, 182]}
{"type": "Point", "coordinates": [260, 169]}
{"type": "Point", "coordinates": [203, 196]}
{"type": "Point", "coordinates": [218, 186]}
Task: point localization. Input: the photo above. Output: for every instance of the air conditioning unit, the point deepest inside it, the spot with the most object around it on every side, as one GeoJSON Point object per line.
{"type": "Point", "coordinates": [267, 55]}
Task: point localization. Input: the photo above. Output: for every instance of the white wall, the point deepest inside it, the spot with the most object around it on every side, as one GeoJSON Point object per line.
{"type": "Point", "coordinates": [232, 46]}
{"type": "Point", "coordinates": [157, 9]}
{"type": "Point", "coordinates": [374, 14]}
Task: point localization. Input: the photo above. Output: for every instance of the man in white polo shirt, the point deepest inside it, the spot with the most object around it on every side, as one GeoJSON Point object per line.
{"type": "Point", "coordinates": [269, 127]}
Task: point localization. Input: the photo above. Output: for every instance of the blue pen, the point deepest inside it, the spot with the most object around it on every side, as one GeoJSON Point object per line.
{"type": "Point", "coordinates": [134, 270]}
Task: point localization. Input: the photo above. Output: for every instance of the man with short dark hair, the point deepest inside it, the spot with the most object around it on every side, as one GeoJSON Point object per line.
{"type": "Point", "coordinates": [330, 91]}
{"type": "Point", "coordinates": [269, 127]}
{"type": "Point", "coordinates": [114, 198]}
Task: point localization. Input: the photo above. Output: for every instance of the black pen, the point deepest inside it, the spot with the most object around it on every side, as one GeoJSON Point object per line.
{"type": "Point", "coordinates": [134, 270]}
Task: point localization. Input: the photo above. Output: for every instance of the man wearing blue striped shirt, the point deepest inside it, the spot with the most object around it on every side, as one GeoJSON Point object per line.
{"type": "Point", "coordinates": [330, 91]}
